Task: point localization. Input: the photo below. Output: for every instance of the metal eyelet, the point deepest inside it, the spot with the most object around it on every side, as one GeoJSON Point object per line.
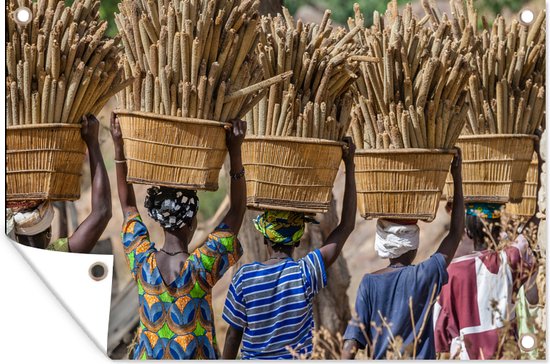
{"type": "Point", "coordinates": [98, 271]}
{"type": "Point", "coordinates": [22, 15]}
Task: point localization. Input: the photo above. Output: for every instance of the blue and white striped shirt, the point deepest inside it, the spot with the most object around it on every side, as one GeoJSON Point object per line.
{"type": "Point", "coordinates": [273, 306]}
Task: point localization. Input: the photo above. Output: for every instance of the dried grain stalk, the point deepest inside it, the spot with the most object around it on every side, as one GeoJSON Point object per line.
{"type": "Point", "coordinates": [315, 101]}
{"type": "Point", "coordinates": [411, 99]}
{"type": "Point", "coordinates": [52, 62]}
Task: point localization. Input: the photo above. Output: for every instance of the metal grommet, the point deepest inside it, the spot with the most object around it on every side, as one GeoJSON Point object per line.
{"type": "Point", "coordinates": [22, 15]}
{"type": "Point", "coordinates": [526, 16]}
{"type": "Point", "coordinates": [98, 271]}
{"type": "Point", "coordinates": [528, 342]}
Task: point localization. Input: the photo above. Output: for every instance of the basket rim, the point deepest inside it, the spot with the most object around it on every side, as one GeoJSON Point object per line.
{"type": "Point", "coordinates": [405, 151]}
{"type": "Point", "coordinates": [176, 119]}
{"type": "Point", "coordinates": [498, 136]}
{"type": "Point", "coordinates": [293, 139]}
{"type": "Point", "coordinates": [44, 126]}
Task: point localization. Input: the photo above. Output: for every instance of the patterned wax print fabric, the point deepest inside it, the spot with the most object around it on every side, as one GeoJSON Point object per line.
{"type": "Point", "coordinates": [176, 319]}
{"type": "Point", "coordinates": [472, 308]}
{"type": "Point", "coordinates": [273, 306]}
{"type": "Point", "coordinates": [282, 227]}
{"type": "Point", "coordinates": [60, 245]}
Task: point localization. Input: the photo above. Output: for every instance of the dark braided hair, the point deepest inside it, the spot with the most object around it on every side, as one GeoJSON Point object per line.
{"type": "Point", "coordinates": [172, 208]}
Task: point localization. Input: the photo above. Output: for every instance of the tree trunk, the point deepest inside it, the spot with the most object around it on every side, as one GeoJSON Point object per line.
{"type": "Point", "coordinates": [331, 306]}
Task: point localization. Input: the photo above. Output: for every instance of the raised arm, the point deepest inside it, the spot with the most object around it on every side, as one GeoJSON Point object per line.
{"type": "Point", "coordinates": [88, 233]}
{"type": "Point", "coordinates": [235, 215]}
{"type": "Point", "coordinates": [126, 193]}
{"type": "Point", "coordinates": [336, 240]}
{"type": "Point", "coordinates": [450, 242]}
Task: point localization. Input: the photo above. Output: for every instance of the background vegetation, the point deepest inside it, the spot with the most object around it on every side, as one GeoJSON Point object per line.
{"type": "Point", "coordinates": [341, 9]}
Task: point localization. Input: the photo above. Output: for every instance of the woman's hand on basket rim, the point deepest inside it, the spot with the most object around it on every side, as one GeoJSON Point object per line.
{"type": "Point", "coordinates": [348, 151]}
{"type": "Point", "coordinates": [456, 164]}
{"type": "Point", "coordinates": [235, 134]}
{"type": "Point", "coordinates": [90, 129]}
{"type": "Point", "coordinates": [116, 133]}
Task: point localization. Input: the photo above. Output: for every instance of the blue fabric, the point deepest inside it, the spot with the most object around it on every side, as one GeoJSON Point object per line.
{"type": "Point", "coordinates": [273, 306]}
{"type": "Point", "coordinates": [387, 295]}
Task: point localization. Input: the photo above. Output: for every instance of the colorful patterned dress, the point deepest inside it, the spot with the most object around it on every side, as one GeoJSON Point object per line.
{"type": "Point", "coordinates": [176, 320]}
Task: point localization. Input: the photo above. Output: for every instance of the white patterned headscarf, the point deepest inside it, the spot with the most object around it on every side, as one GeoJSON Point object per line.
{"type": "Point", "coordinates": [393, 239]}
{"type": "Point", "coordinates": [172, 208]}
{"type": "Point", "coordinates": [33, 221]}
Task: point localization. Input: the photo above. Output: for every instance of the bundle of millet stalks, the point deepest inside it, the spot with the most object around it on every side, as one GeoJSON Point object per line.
{"type": "Point", "coordinates": [315, 102]}
{"type": "Point", "coordinates": [60, 66]}
{"type": "Point", "coordinates": [191, 58]}
{"type": "Point", "coordinates": [415, 96]}
{"type": "Point", "coordinates": [507, 87]}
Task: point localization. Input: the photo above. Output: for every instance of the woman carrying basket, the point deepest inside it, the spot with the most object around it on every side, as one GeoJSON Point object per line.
{"type": "Point", "coordinates": [175, 285]}
{"type": "Point", "coordinates": [269, 304]}
{"type": "Point", "coordinates": [398, 300]}
{"type": "Point", "coordinates": [30, 222]}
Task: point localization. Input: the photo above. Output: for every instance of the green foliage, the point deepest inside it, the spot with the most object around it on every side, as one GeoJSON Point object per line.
{"type": "Point", "coordinates": [343, 9]}
{"type": "Point", "coordinates": [496, 6]}
{"type": "Point", "coordinates": [210, 201]}
{"type": "Point", "coordinates": [107, 12]}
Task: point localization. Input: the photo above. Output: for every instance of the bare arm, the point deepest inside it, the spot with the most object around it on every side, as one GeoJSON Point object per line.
{"type": "Point", "coordinates": [350, 349]}
{"type": "Point", "coordinates": [450, 242]}
{"type": "Point", "coordinates": [88, 233]}
{"type": "Point", "coordinates": [63, 221]}
{"type": "Point", "coordinates": [233, 339]}
{"type": "Point", "coordinates": [235, 215]}
{"type": "Point", "coordinates": [126, 193]}
{"type": "Point", "coordinates": [336, 240]}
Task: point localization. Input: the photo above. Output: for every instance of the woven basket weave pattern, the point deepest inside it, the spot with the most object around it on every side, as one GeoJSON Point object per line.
{"type": "Point", "coordinates": [490, 165]}
{"type": "Point", "coordinates": [290, 173]}
{"type": "Point", "coordinates": [528, 204]}
{"type": "Point", "coordinates": [405, 184]}
{"type": "Point", "coordinates": [44, 162]}
{"type": "Point", "coordinates": [188, 153]}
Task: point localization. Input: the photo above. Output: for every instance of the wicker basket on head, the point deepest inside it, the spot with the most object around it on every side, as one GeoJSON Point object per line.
{"type": "Point", "coordinates": [528, 204]}
{"type": "Point", "coordinates": [289, 173]}
{"type": "Point", "coordinates": [44, 162]}
{"type": "Point", "coordinates": [401, 183]}
{"type": "Point", "coordinates": [491, 164]}
{"type": "Point", "coordinates": [172, 151]}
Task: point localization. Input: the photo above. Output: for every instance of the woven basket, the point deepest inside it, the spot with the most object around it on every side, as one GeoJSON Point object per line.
{"type": "Point", "coordinates": [401, 183]}
{"type": "Point", "coordinates": [289, 173]}
{"type": "Point", "coordinates": [528, 204]}
{"type": "Point", "coordinates": [171, 151]}
{"type": "Point", "coordinates": [44, 162]}
{"type": "Point", "coordinates": [491, 164]}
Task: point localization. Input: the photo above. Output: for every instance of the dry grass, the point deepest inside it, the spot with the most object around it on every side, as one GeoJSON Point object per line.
{"type": "Point", "coordinates": [327, 345]}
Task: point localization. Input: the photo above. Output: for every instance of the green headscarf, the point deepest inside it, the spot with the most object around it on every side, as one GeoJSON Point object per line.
{"type": "Point", "coordinates": [282, 227]}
